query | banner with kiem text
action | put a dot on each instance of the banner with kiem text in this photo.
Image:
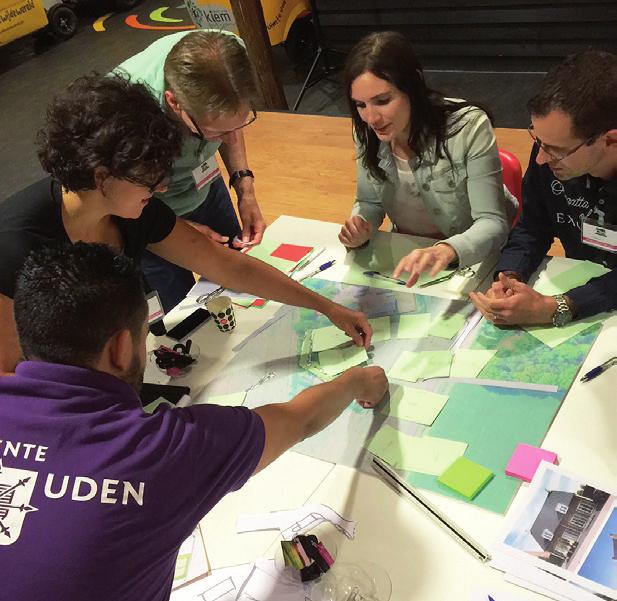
(19, 18)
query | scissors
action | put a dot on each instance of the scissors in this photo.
(466, 272)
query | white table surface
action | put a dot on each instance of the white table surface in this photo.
(423, 561)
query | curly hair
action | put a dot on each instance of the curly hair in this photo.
(107, 121)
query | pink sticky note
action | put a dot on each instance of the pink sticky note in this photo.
(291, 252)
(525, 461)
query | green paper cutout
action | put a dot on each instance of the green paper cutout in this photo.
(447, 325)
(413, 325)
(505, 421)
(468, 363)
(263, 252)
(335, 361)
(415, 404)
(328, 338)
(421, 365)
(411, 453)
(571, 278)
(381, 328)
(553, 336)
(466, 477)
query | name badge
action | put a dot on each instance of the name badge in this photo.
(206, 172)
(602, 236)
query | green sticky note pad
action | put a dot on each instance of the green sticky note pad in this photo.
(413, 326)
(381, 328)
(421, 365)
(447, 325)
(327, 338)
(335, 361)
(466, 477)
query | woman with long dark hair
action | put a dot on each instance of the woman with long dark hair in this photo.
(428, 162)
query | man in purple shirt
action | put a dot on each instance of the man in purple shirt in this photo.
(96, 496)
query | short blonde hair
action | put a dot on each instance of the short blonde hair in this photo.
(209, 72)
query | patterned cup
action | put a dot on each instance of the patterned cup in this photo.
(223, 313)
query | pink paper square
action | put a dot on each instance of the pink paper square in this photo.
(525, 461)
(291, 252)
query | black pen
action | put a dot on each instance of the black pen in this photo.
(596, 371)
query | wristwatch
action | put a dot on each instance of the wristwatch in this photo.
(236, 175)
(563, 313)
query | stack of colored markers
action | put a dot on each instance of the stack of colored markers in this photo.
(307, 554)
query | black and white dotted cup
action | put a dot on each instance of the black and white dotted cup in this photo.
(223, 313)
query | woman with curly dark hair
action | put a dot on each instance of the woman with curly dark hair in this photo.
(108, 146)
(428, 162)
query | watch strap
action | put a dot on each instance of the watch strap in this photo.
(563, 313)
(238, 175)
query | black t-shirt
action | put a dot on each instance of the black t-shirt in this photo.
(32, 218)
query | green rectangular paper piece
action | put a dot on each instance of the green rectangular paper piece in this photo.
(381, 328)
(415, 404)
(493, 421)
(571, 278)
(335, 361)
(263, 252)
(552, 336)
(426, 455)
(466, 477)
(235, 399)
(243, 302)
(468, 363)
(327, 338)
(421, 365)
(447, 325)
(413, 325)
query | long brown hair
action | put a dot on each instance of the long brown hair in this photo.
(389, 56)
(209, 72)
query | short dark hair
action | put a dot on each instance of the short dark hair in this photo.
(107, 121)
(389, 55)
(584, 87)
(71, 298)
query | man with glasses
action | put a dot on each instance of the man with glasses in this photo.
(205, 80)
(569, 193)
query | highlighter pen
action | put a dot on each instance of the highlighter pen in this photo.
(380, 276)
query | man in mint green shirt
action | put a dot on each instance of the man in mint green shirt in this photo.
(204, 80)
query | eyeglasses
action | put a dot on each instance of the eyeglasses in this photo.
(218, 134)
(555, 158)
(152, 188)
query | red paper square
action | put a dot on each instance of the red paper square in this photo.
(259, 302)
(291, 252)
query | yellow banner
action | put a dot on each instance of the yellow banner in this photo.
(19, 18)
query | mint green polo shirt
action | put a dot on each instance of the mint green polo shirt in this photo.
(182, 195)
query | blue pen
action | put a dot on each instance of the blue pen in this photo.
(596, 371)
(321, 268)
(490, 598)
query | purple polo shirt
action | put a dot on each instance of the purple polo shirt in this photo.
(95, 495)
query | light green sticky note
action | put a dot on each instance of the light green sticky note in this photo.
(468, 363)
(235, 399)
(466, 477)
(335, 361)
(327, 338)
(243, 302)
(447, 325)
(413, 326)
(150, 408)
(415, 404)
(426, 455)
(552, 336)
(571, 278)
(263, 251)
(421, 365)
(381, 328)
